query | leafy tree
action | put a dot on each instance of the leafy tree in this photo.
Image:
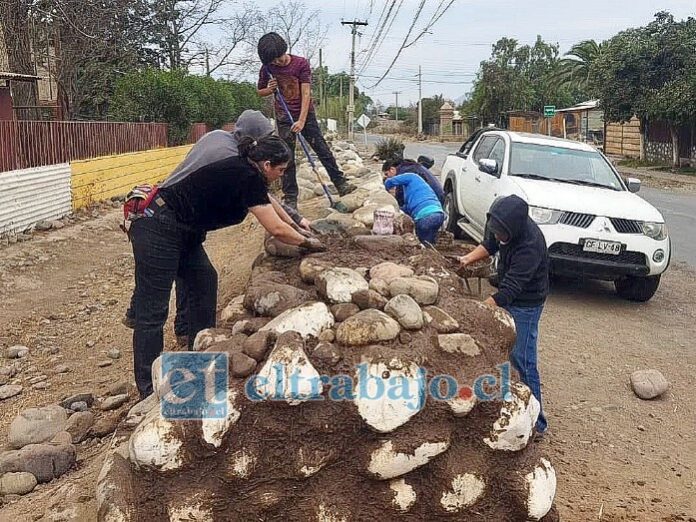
(336, 95)
(575, 70)
(518, 78)
(649, 72)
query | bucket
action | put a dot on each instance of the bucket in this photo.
(383, 223)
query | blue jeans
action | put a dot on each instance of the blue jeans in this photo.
(428, 227)
(524, 354)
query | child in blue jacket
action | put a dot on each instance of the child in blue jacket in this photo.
(420, 203)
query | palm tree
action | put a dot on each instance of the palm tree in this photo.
(574, 71)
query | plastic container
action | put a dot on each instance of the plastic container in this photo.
(383, 223)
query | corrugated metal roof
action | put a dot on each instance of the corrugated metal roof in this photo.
(28, 196)
(19, 77)
(584, 106)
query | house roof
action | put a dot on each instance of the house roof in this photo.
(584, 106)
(18, 77)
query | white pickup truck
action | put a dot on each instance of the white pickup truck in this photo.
(595, 225)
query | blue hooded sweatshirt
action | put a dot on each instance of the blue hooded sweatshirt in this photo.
(419, 199)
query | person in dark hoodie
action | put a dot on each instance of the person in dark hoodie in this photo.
(523, 272)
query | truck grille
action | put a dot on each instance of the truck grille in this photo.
(575, 219)
(570, 249)
(627, 226)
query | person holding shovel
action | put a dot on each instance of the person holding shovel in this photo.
(523, 271)
(292, 76)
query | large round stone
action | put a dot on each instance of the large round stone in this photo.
(405, 310)
(339, 284)
(389, 271)
(423, 289)
(648, 384)
(367, 327)
(36, 425)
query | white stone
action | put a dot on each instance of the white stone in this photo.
(648, 384)
(155, 443)
(326, 514)
(518, 416)
(138, 412)
(214, 430)
(190, 512)
(234, 310)
(404, 495)
(385, 463)
(339, 284)
(19, 483)
(307, 320)
(404, 309)
(366, 214)
(541, 484)
(389, 271)
(210, 336)
(243, 463)
(156, 375)
(462, 407)
(288, 375)
(312, 462)
(504, 317)
(466, 490)
(459, 343)
(389, 394)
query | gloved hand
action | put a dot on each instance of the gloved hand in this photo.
(312, 244)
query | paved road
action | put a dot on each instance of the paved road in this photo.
(679, 209)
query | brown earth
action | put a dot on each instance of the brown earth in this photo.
(617, 457)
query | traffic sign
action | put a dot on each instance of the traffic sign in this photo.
(364, 121)
(549, 111)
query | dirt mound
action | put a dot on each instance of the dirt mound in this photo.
(343, 451)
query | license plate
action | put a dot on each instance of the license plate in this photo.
(602, 247)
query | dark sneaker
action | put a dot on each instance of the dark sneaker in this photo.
(128, 321)
(345, 188)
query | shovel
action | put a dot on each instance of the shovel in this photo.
(336, 205)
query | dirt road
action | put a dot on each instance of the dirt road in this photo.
(618, 458)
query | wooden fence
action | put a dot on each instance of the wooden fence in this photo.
(25, 144)
(623, 139)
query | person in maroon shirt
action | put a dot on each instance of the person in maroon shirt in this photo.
(292, 76)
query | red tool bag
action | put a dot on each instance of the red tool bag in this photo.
(136, 205)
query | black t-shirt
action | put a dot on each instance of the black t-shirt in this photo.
(217, 195)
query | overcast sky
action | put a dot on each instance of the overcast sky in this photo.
(462, 38)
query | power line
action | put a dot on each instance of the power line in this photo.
(378, 33)
(433, 20)
(398, 53)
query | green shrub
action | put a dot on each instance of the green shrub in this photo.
(180, 99)
(388, 148)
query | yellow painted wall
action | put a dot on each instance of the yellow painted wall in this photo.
(102, 178)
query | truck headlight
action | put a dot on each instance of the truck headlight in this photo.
(544, 216)
(656, 231)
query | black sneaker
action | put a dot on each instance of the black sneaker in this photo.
(128, 321)
(345, 188)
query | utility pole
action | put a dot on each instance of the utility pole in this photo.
(207, 62)
(351, 89)
(420, 101)
(396, 93)
(321, 85)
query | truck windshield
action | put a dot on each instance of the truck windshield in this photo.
(563, 165)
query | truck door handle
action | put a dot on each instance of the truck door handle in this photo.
(477, 178)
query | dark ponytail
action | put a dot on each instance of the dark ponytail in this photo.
(268, 148)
